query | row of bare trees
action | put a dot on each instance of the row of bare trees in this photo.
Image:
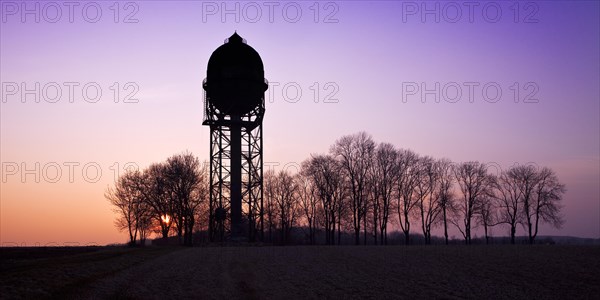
(165, 197)
(365, 187)
(359, 187)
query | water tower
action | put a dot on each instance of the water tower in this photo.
(234, 106)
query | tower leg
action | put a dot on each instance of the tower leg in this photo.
(236, 179)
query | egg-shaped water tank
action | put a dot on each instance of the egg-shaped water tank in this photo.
(235, 82)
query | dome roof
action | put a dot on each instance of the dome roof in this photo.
(235, 54)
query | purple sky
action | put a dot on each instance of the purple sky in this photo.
(366, 60)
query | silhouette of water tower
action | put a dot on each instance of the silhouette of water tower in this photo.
(234, 107)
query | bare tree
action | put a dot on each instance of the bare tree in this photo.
(473, 181)
(444, 193)
(185, 178)
(427, 202)
(286, 203)
(384, 177)
(325, 173)
(509, 196)
(270, 209)
(544, 204)
(355, 155)
(309, 202)
(527, 179)
(203, 214)
(158, 196)
(374, 198)
(405, 186)
(197, 207)
(486, 214)
(342, 207)
(133, 213)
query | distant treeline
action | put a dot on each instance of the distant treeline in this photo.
(353, 193)
(299, 236)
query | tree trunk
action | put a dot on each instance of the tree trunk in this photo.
(365, 229)
(339, 223)
(281, 225)
(375, 227)
(468, 231)
(270, 231)
(310, 233)
(513, 230)
(445, 227)
(485, 229)
(423, 221)
(407, 226)
(165, 231)
(189, 236)
(386, 237)
(529, 229)
(537, 220)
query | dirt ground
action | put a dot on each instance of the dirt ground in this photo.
(373, 272)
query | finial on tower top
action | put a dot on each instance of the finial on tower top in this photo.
(235, 38)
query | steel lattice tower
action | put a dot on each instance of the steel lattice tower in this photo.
(234, 107)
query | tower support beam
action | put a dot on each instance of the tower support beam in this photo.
(236, 178)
